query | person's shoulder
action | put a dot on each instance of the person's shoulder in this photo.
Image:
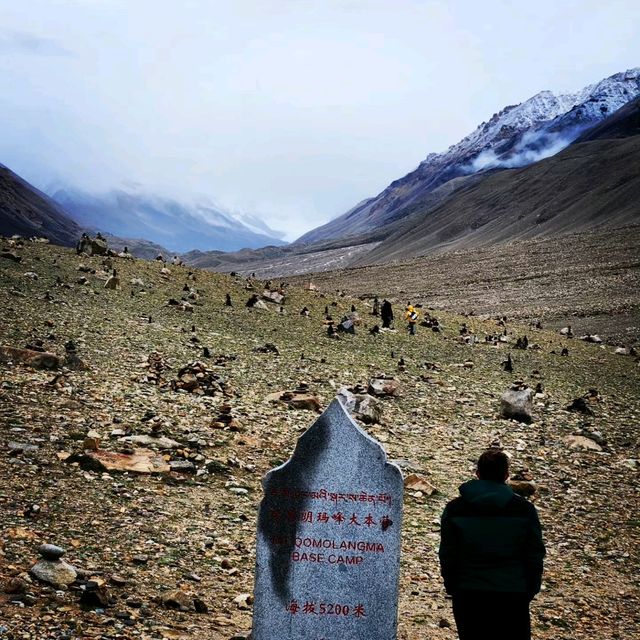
(522, 506)
(453, 506)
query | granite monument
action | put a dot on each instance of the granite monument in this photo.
(328, 541)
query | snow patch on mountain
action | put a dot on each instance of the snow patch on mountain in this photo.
(546, 124)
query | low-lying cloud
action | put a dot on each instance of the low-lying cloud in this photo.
(532, 147)
(12, 42)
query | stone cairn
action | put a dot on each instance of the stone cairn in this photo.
(52, 569)
(226, 419)
(196, 378)
(155, 366)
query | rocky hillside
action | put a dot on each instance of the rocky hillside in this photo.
(589, 185)
(588, 280)
(142, 454)
(28, 212)
(517, 136)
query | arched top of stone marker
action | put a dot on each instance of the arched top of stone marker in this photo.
(335, 429)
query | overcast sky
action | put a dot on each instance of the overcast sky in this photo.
(291, 110)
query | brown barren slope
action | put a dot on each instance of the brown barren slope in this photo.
(146, 536)
(589, 185)
(590, 280)
(28, 212)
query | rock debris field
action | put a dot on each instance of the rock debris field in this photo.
(135, 431)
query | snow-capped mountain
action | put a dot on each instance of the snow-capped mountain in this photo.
(180, 226)
(516, 136)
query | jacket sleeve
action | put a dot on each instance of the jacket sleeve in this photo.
(534, 554)
(448, 550)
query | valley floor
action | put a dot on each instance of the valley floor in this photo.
(147, 535)
(590, 280)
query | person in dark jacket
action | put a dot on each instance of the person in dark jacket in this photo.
(491, 555)
(386, 313)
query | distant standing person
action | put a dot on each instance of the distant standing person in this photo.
(411, 317)
(376, 307)
(386, 313)
(491, 554)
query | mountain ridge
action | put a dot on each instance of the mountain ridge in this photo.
(517, 135)
(592, 183)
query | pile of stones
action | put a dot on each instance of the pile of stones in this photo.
(226, 419)
(155, 366)
(196, 378)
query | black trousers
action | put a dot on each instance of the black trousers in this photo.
(492, 615)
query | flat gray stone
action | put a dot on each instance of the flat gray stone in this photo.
(54, 572)
(51, 551)
(161, 442)
(182, 466)
(328, 542)
(582, 442)
(22, 447)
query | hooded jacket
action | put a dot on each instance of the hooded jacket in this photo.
(491, 540)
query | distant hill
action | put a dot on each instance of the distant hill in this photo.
(27, 212)
(177, 225)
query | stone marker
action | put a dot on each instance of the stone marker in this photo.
(51, 568)
(328, 545)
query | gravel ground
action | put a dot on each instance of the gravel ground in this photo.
(145, 536)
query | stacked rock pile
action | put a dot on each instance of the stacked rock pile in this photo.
(196, 378)
(226, 419)
(155, 366)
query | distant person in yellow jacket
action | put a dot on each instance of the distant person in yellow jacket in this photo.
(411, 316)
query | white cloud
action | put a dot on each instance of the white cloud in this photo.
(290, 111)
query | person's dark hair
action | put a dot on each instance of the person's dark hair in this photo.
(493, 465)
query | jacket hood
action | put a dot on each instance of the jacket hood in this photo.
(485, 493)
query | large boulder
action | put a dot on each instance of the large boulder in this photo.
(516, 404)
(362, 406)
(383, 386)
(581, 442)
(92, 246)
(273, 296)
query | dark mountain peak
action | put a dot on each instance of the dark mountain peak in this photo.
(26, 211)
